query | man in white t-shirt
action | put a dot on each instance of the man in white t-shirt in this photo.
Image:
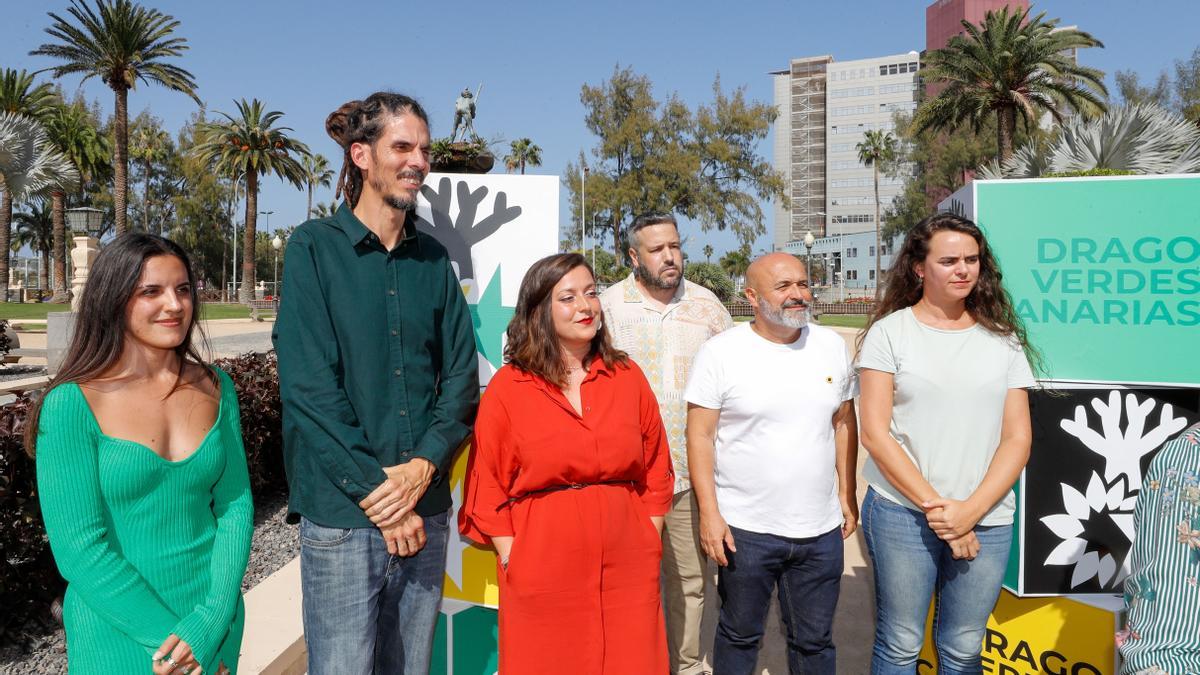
(772, 451)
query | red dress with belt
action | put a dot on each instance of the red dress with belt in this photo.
(580, 594)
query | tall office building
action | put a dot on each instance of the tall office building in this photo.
(824, 109)
(943, 18)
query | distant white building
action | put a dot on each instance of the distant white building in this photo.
(849, 259)
(824, 108)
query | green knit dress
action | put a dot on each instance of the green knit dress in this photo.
(148, 547)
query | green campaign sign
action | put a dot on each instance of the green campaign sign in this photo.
(1105, 272)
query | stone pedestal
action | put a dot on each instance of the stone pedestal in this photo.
(82, 257)
(59, 328)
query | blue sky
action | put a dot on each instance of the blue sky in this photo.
(306, 57)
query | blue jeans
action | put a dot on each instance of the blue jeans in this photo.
(367, 611)
(809, 574)
(911, 564)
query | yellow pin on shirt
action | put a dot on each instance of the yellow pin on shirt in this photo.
(829, 379)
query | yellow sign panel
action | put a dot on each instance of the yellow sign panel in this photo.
(1042, 636)
(470, 569)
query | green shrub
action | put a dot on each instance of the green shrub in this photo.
(1089, 172)
(712, 277)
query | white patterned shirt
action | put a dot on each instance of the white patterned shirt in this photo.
(664, 342)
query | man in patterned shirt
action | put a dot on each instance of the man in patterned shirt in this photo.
(661, 320)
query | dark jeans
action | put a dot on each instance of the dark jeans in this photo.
(808, 573)
(367, 611)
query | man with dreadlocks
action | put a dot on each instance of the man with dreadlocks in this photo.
(379, 382)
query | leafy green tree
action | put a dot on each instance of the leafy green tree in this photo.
(69, 128)
(202, 209)
(711, 277)
(1132, 92)
(149, 145)
(653, 155)
(708, 251)
(35, 229)
(122, 43)
(1187, 86)
(316, 174)
(1010, 65)
(521, 152)
(248, 146)
(877, 147)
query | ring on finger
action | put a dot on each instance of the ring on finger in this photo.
(186, 669)
(170, 662)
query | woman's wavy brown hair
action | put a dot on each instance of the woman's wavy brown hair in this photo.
(532, 342)
(361, 122)
(989, 303)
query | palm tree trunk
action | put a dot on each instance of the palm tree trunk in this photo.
(616, 229)
(1006, 125)
(522, 166)
(246, 293)
(45, 273)
(308, 212)
(6, 207)
(59, 230)
(121, 158)
(878, 285)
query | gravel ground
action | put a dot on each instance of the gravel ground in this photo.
(275, 543)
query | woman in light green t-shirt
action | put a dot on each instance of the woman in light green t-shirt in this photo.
(142, 475)
(945, 417)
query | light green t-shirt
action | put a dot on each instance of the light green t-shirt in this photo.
(948, 402)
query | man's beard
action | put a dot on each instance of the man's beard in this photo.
(655, 280)
(396, 201)
(780, 314)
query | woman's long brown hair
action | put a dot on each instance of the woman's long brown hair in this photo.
(989, 302)
(98, 340)
(532, 341)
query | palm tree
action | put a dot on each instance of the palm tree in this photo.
(1010, 65)
(316, 174)
(20, 96)
(69, 129)
(35, 229)
(324, 210)
(250, 145)
(1138, 139)
(877, 147)
(148, 144)
(29, 164)
(122, 43)
(736, 262)
(708, 251)
(521, 152)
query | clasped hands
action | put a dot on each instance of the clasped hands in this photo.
(174, 656)
(954, 521)
(390, 506)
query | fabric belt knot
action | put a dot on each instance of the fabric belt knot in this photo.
(567, 486)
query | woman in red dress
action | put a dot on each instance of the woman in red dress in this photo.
(569, 478)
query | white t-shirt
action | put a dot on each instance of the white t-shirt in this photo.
(948, 402)
(775, 465)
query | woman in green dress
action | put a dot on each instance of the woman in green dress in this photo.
(142, 475)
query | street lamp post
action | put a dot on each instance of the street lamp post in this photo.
(277, 244)
(809, 240)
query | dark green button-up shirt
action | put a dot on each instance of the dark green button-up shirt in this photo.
(377, 365)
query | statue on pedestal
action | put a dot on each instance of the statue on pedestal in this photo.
(464, 117)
